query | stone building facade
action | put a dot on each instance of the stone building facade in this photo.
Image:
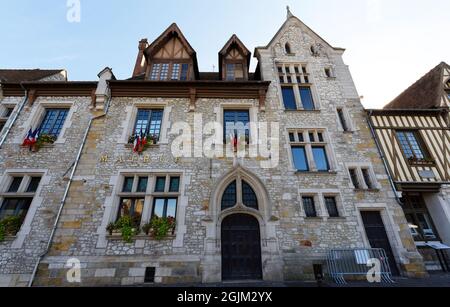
(292, 204)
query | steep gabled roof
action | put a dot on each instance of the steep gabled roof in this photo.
(234, 42)
(22, 75)
(291, 18)
(172, 31)
(426, 93)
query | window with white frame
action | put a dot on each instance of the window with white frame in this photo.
(148, 123)
(5, 113)
(310, 150)
(53, 121)
(143, 196)
(16, 199)
(362, 177)
(296, 87)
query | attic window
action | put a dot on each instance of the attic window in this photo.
(234, 72)
(329, 73)
(448, 83)
(287, 47)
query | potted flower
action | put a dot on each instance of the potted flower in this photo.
(10, 226)
(161, 227)
(43, 139)
(127, 227)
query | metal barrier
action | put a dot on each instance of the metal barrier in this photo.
(354, 262)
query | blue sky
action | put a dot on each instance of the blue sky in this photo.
(390, 43)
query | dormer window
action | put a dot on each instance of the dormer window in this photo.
(234, 60)
(234, 72)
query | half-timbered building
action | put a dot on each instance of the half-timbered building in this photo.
(413, 134)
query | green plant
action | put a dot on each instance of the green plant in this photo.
(161, 227)
(10, 226)
(45, 139)
(127, 226)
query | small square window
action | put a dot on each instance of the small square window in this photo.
(320, 135)
(291, 137)
(174, 184)
(301, 139)
(142, 185)
(289, 79)
(150, 273)
(128, 185)
(34, 184)
(312, 139)
(15, 184)
(160, 184)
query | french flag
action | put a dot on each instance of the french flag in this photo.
(137, 143)
(31, 138)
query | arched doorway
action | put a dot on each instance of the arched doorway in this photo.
(241, 248)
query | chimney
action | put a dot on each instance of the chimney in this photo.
(139, 68)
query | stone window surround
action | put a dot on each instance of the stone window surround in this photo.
(319, 201)
(3, 107)
(253, 112)
(6, 180)
(316, 98)
(37, 116)
(358, 166)
(111, 204)
(130, 120)
(308, 147)
(348, 119)
(392, 229)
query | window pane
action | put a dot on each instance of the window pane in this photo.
(289, 98)
(164, 71)
(160, 184)
(171, 208)
(128, 184)
(342, 119)
(15, 207)
(8, 112)
(320, 136)
(184, 72)
(291, 137)
(367, 179)
(158, 209)
(155, 72)
(229, 196)
(174, 184)
(236, 123)
(307, 99)
(15, 184)
(320, 157)
(309, 207)
(425, 226)
(331, 205)
(414, 143)
(34, 184)
(125, 207)
(175, 71)
(301, 138)
(155, 123)
(53, 121)
(300, 159)
(354, 178)
(248, 196)
(137, 211)
(230, 72)
(142, 184)
(142, 121)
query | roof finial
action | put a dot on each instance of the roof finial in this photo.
(289, 13)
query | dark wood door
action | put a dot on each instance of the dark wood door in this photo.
(241, 248)
(376, 233)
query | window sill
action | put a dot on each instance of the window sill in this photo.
(313, 219)
(337, 219)
(9, 239)
(367, 190)
(422, 164)
(118, 237)
(315, 173)
(301, 111)
(131, 146)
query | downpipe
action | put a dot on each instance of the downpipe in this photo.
(383, 158)
(66, 193)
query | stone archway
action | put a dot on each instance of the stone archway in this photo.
(272, 264)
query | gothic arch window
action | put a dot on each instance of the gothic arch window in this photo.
(287, 47)
(247, 195)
